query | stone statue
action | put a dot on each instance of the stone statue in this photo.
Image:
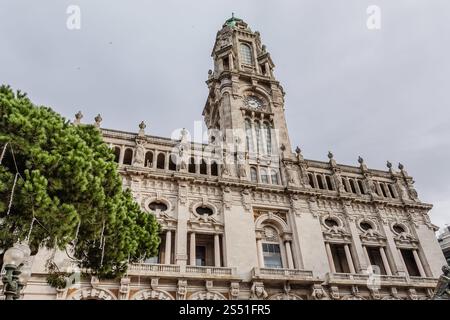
(338, 181)
(225, 166)
(140, 154)
(442, 291)
(183, 158)
(290, 174)
(242, 173)
(401, 190)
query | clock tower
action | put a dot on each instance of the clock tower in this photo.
(245, 104)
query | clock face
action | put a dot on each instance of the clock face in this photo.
(253, 102)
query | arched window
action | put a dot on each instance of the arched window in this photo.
(268, 133)
(128, 158)
(116, 154)
(329, 184)
(311, 180)
(203, 167)
(214, 169)
(271, 248)
(274, 176)
(320, 181)
(149, 159)
(173, 162)
(161, 161)
(191, 167)
(383, 190)
(246, 54)
(352, 185)
(361, 187)
(249, 136)
(391, 190)
(253, 174)
(264, 176)
(258, 137)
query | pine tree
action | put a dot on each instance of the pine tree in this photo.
(68, 180)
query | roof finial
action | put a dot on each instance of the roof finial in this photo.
(232, 14)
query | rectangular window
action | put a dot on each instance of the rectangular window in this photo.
(410, 263)
(272, 255)
(339, 258)
(200, 255)
(375, 258)
(226, 64)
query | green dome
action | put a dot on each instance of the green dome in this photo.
(232, 21)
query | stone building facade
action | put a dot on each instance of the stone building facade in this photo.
(244, 217)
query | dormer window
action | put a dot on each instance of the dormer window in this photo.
(246, 54)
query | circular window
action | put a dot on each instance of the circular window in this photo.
(157, 206)
(330, 222)
(204, 210)
(366, 226)
(398, 228)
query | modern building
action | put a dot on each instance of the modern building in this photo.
(245, 217)
(444, 241)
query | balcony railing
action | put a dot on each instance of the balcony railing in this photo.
(209, 270)
(349, 278)
(143, 269)
(283, 274)
(423, 281)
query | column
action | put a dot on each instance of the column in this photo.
(359, 261)
(217, 250)
(330, 257)
(419, 264)
(154, 159)
(366, 254)
(260, 253)
(403, 261)
(230, 60)
(387, 267)
(192, 250)
(168, 247)
(349, 259)
(122, 154)
(166, 161)
(289, 255)
(398, 266)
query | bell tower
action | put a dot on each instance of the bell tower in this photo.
(245, 101)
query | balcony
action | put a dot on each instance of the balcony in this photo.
(177, 271)
(291, 275)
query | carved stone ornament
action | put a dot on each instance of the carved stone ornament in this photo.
(234, 290)
(246, 199)
(181, 290)
(258, 292)
(124, 289)
(318, 293)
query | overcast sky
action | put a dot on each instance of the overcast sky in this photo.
(382, 94)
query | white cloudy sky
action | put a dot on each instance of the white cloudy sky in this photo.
(381, 94)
